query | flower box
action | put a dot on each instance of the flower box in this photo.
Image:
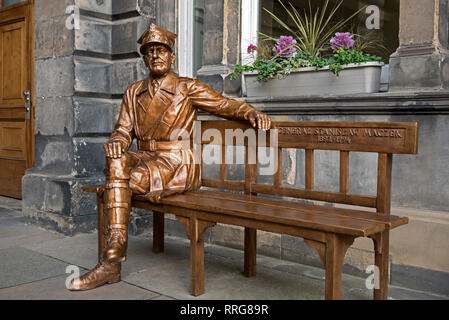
(354, 78)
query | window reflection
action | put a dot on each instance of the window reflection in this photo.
(384, 41)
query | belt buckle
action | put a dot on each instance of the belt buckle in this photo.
(152, 145)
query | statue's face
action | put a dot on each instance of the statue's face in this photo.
(159, 59)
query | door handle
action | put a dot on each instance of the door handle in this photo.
(27, 94)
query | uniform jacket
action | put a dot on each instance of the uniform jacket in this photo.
(173, 106)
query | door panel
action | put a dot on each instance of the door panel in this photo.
(12, 38)
(12, 137)
(16, 125)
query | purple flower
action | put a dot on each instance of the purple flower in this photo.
(342, 40)
(285, 46)
(251, 48)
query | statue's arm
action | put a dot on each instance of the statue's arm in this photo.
(123, 133)
(205, 98)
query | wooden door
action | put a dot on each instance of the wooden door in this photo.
(16, 77)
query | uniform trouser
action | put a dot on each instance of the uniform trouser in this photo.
(117, 200)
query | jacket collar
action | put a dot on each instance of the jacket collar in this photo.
(168, 84)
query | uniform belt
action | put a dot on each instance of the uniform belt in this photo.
(153, 145)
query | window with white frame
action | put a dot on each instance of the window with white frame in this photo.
(379, 21)
(190, 36)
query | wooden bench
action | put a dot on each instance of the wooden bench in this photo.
(328, 229)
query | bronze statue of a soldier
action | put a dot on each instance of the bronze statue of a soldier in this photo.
(151, 111)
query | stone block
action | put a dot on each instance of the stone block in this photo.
(124, 37)
(296, 250)
(122, 74)
(101, 6)
(44, 9)
(214, 15)
(269, 244)
(227, 235)
(54, 77)
(212, 46)
(43, 43)
(58, 197)
(89, 156)
(175, 228)
(141, 69)
(124, 6)
(93, 116)
(232, 87)
(363, 173)
(68, 226)
(63, 37)
(93, 36)
(53, 116)
(53, 154)
(327, 170)
(92, 75)
(141, 222)
(416, 72)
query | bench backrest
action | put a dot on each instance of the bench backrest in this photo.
(384, 138)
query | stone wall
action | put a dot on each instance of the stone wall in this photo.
(80, 77)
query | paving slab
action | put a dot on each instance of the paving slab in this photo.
(20, 265)
(55, 289)
(80, 250)
(11, 203)
(13, 233)
(397, 293)
(9, 213)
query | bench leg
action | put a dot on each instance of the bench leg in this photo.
(381, 258)
(336, 247)
(158, 232)
(197, 229)
(195, 232)
(250, 252)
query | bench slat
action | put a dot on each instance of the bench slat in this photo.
(344, 171)
(335, 224)
(326, 196)
(390, 221)
(387, 137)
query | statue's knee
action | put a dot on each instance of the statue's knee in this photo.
(117, 168)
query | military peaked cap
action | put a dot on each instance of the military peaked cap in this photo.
(155, 34)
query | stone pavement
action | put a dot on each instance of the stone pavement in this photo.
(33, 264)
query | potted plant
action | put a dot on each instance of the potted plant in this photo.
(297, 65)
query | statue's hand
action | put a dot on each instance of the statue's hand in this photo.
(259, 120)
(113, 149)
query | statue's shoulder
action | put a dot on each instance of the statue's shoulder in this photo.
(186, 80)
(133, 87)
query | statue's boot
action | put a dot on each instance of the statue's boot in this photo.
(117, 204)
(102, 273)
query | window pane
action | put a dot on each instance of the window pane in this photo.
(384, 40)
(198, 30)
